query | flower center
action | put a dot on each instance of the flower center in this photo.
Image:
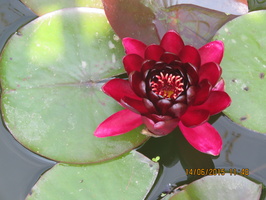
(167, 85)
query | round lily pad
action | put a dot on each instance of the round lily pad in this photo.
(130, 177)
(244, 69)
(219, 188)
(41, 7)
(52, 71)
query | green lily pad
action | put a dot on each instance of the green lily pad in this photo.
(52, 71)
(244, 69)
(233, 187)
(41, 7)
(130, 177)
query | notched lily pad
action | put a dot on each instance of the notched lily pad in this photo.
(244, 69)
(52, 71)
(129, 177)
(232, 187)
(41, 7)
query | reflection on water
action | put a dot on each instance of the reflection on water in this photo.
(19, 168)
(242, 149)
(13, 14)
(228, 147)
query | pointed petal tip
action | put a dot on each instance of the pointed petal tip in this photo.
(205, 138)
(215, 152)
(220, 86)
(119, 123)
(110, 88)
(219, 42)
(133, 46)
(172, 42)
(212, 52)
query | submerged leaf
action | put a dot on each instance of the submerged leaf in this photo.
(148, 21)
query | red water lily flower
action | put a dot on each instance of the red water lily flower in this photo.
(170, 85)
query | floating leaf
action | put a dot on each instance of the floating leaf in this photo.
(244, 69)
(130, 177)
(41, 7)
(219, 188)
(150, 20)
(52, 71)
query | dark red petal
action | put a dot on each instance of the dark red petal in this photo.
(154, 52)
(205, 138)
(194, 117)
(134, 105)
(191, 94)
(119, 88)
(172, 42)
(133, 46)
(158, 118)
(160, 128)
(147, 65)
(118, 123)
(132, 62)
(220, 86)
(210, 71)
(153, 97)
(212, 52)
(190, 54)
(149, 105)
(169, 57)
(178, 109)
(203, 92)
(192, 74)
(137, 84)
(181, 99)
(216, 102)
(160, 65)
(163, 105)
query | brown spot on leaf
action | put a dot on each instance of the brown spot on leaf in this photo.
(262, 75)
(19, 33)
(243, 118)
(246, 88)
(25, 79)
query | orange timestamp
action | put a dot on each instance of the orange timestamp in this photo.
(216, 172)
(204, 172)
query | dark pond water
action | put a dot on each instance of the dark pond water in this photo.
(20, 168)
